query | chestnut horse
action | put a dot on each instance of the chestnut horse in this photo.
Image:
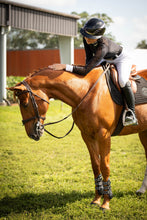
(96, 116)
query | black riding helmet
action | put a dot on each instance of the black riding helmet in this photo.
(94, 28)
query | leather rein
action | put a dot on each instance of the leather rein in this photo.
(35, 106)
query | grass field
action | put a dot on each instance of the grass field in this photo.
(53, 179)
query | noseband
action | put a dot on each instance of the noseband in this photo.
(35, 106)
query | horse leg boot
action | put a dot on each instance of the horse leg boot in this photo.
(105, 169)
(129, 117)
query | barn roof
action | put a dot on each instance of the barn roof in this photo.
(33, 18)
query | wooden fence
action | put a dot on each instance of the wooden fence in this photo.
(23, 62)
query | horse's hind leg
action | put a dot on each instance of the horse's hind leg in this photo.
(143, 139)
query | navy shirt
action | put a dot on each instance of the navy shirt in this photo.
(103, 48)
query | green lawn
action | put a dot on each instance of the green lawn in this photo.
(53, 179)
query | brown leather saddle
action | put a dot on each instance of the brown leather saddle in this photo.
(133, 77)
(139, 87)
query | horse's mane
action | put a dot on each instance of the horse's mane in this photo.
(35, 72)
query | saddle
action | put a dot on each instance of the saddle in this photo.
(133, 77)
(139, 87)
(138, 84)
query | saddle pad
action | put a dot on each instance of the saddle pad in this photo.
(140, 97)
(141, 94)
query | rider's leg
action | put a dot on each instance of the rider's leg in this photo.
(123, 64)
(130, 118)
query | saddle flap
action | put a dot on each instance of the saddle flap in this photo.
(133, 77)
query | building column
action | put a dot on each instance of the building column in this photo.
(3, 55)
(66, 46)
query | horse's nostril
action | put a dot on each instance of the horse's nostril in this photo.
(34, 137)
(39, 129)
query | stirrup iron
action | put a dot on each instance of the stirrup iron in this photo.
(129, 120)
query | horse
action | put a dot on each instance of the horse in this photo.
(96, 116)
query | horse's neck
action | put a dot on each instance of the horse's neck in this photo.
(69, 90)
(64, 86)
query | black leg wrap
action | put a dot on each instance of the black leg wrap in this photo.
(107, 189)
(99, 184)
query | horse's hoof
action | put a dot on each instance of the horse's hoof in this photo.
(103, 210)
(96, 204)
(138, 193)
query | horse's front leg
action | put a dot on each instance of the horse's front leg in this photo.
(104, 145)
(93, 148)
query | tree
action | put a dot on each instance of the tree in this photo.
(142, 45)
(24, 39)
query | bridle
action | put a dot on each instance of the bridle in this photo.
(37, 116)
(39, 125)
(35, 106)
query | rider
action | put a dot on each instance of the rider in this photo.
(99, 48)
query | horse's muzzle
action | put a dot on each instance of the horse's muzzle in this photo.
(37, 131)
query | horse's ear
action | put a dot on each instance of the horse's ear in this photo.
(17, 87)
(17, 90)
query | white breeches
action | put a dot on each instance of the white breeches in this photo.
(123, 64)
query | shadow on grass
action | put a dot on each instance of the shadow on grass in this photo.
(32, 202)
(120, 194)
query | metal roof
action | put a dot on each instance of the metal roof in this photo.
(33, 18)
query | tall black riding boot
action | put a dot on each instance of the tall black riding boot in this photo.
(130, 118)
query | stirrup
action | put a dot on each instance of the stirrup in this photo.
(129, 120)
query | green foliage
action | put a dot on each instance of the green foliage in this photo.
(53, 179)
(142, 45)
(24, 39)
(12, 81)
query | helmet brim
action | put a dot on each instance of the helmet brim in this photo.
(82, 31)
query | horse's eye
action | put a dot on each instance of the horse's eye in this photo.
(23, 103)
(23, 98)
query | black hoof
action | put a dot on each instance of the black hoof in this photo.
(103, 210)
(138, 193)
(95, 204)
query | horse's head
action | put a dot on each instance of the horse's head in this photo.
(33, 106)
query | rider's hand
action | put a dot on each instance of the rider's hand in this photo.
(57, 66)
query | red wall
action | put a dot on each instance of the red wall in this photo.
(21, 63)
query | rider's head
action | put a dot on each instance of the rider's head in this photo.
(93, 28)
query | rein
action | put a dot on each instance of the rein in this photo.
(35, 106)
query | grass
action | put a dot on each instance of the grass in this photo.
(53, 179)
